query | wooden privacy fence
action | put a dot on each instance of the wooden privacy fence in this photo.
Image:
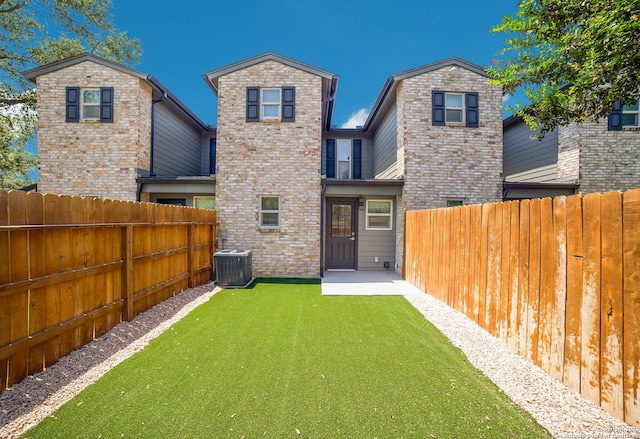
(557, 280)
(72, 268)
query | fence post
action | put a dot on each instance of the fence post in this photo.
(127, 273)
(192, 280)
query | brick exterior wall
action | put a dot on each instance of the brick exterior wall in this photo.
(93, 158)
(603, 160)
(271, 158)
(568, 152)
(442, 162)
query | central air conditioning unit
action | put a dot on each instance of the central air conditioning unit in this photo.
(232, 268)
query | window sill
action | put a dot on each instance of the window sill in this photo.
(631, 128)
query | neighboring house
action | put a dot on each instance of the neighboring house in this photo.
(580, 157)
(110, 131)
(303, 195)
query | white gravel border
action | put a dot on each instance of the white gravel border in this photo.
(27, 403)
(556, 407)
(559, 409)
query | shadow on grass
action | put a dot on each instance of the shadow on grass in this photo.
(282, 280)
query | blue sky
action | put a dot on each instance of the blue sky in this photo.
(363, 42)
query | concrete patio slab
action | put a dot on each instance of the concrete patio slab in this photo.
(366, 283)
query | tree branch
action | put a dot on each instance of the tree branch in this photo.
(15, 7)
(14, 101)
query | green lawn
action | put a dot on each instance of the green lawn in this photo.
(280, 360)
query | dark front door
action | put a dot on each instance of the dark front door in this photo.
(341, 234)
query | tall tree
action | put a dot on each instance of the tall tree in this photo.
(36, 32)
(573, 58)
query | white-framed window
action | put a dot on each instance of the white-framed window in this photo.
(205, 201)
(344, 158)
(270, 102)
(454, 107)
(90, 104)
(379, 215)
(631, 115)
(269, 212)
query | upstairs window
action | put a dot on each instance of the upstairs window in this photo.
(344, 158)
(271, 103)
(89, 104)
(631, 115)
(455, 108)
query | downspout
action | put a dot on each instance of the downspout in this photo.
(322, 221)
(153, 123)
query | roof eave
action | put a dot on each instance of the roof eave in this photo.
(268, 56)
(32, 74)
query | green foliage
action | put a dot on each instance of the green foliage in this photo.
(17, 123)
(573, 58)
(37, 32)
(281, 360)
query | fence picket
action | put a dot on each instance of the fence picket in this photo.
(559, 293)
(631, 304)
(611, 360)
(514, 274)
(547, 283)
(590, 366)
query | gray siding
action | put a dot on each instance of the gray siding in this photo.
(526, 159)
(367, 151)
(372, 243)
(177, 144)
(385, 146)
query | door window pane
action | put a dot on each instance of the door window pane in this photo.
(341, 220)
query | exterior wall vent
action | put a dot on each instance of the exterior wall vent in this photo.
(233, 268)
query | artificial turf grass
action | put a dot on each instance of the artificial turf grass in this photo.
(280, 360)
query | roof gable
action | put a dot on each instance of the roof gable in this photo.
(212, 77)
(449, 62)
(32, 74)
(387, 94)
(159, 89)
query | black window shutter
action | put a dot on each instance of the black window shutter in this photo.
(357, 159)
(212, 156)
(331, 158)
(471, 108)
(106, 104)
(288, 104)
(253, 104)
(615, 117)
(437, 106)
(73, 104)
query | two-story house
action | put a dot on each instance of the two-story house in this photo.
(308, 197)
(580, 157)
(304, 196)
(110, 131)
